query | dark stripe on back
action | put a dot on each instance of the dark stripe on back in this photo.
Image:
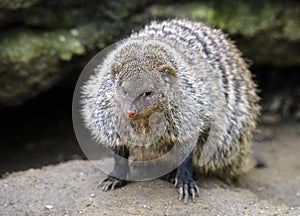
(217, 54)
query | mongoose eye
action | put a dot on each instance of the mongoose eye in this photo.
(148, 93)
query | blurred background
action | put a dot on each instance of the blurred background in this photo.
(44, 46)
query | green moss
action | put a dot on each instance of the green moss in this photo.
(247, 18)
(252, 17)
(203, 13)
(17, 4)
(24, 45)
(271, 27)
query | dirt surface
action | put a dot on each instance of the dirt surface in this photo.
(71, 188)
(279, 181)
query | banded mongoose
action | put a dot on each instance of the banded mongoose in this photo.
(196, 79)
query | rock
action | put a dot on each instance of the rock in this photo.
(17, 4)
(267, 32)
(72, 189)
(41, 41)
(44, 47)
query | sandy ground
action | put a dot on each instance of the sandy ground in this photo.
(71, 188)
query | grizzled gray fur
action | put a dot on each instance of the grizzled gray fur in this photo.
(196, 79)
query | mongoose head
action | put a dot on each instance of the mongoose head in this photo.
(142, 81)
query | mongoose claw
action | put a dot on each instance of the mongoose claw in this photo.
(110, 183)
(184, 189)
(195, 192)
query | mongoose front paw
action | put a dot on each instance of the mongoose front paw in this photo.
(111, 182)
(185, 186)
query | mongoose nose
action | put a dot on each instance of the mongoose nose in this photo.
(131, 113)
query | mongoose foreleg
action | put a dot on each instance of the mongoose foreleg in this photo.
(184, 180)
(121, 169)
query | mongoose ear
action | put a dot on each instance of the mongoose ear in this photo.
(115, 68)
(167, 69)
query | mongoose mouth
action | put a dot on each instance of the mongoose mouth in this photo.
(134, 114)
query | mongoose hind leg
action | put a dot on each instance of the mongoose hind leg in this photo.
(121, 170)
(184, 181)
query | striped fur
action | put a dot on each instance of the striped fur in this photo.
(213, 96)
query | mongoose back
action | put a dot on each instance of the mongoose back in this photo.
(196, 79)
